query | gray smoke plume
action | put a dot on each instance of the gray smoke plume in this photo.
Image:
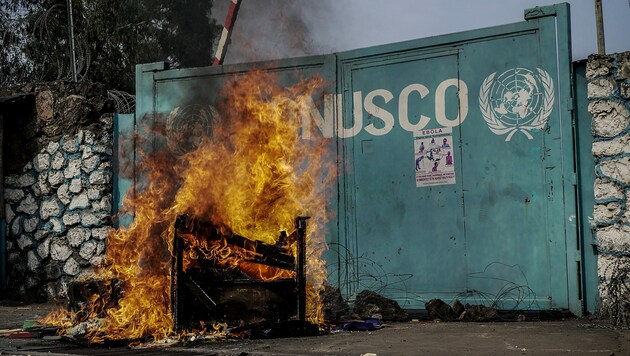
(273, 29)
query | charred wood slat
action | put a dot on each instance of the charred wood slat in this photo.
(81, 292)
(208, 292)
(177, 283)
(300, 227)
(272, 255)
(199, 293)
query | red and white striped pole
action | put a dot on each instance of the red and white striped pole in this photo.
(227, 32)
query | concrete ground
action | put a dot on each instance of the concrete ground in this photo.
(573, 336)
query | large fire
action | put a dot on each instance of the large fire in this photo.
(253, 175)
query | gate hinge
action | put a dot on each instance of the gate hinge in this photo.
(570, 104)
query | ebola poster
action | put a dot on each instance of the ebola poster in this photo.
(434, 157)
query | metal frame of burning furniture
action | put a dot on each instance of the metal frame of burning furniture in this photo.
(210, 292)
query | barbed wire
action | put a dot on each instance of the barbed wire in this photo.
(41, 31)
(615, 291)
(125, 103)
(37, 28)
(509, 295)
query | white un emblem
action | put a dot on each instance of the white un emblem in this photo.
(186, 126)
(516, 100)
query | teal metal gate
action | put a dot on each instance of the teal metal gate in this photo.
(456, 161)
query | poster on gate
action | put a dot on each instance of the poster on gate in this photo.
(434, 157)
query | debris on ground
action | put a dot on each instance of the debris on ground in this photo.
(335, 307)
(30, 323)
(440, 310)
(458, 308)
(478, 313)
(83, 328)
(368, 324)
(31, 330)
(5, 332)
(23, 335)
(370, 304)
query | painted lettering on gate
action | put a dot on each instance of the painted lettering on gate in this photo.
(333, 103)
(430, 132)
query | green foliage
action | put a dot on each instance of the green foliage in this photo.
(111, 37)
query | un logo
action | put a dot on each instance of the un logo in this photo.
(185, 127)
(516, 100)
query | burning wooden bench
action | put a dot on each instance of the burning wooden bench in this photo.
(217, 276)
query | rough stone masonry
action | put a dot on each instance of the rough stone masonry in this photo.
(608, 79)
(58, 202)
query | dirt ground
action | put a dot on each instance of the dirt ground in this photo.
(572, 336)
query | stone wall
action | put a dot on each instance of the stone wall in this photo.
(57, 187)
(608, 80)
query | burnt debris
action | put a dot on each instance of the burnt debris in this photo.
(369, 304)
(208, 291)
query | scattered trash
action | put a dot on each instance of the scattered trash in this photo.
(478, 313)
(369, 304)
(83, 328)
(335, 308)
(368, 324)
(30, 323)
(31, 329)
(5, 332)
(23, 308)
(43, 329)
(439, 310)
(23, 335)
(458, 307)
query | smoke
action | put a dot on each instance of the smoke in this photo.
(274, 29)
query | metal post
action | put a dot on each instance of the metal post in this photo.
(73, 62)
(599, 22)
(177, 271)
(227, 32)
(300, 225)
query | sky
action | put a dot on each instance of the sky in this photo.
(280, 28)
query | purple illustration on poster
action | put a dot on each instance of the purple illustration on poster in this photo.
(433, 153)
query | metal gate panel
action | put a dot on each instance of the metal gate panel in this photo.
(395, 222)
(123, 164)
(512, 182)
(160, 91)
(586, 179)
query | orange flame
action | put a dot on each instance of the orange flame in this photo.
(254, 175)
